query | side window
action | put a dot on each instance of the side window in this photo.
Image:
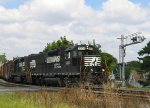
(67, 55)
(79, 53)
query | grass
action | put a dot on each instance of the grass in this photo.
(14, 101)
(69, 98)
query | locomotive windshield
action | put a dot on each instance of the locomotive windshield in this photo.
(82, 53)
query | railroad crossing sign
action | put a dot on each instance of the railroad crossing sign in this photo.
(130, 40)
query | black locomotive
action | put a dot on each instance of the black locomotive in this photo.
(60, 66)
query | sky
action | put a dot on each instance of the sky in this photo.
(26, 26)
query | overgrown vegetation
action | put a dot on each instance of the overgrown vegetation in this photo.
(69, 98)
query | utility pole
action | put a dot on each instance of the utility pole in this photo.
(130, 40)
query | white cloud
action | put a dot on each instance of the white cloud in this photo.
(27, 29)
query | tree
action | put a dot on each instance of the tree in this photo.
(3, 58)
(145, 66)
(62, 42)
(110, 61)
(145, 50)
(145, 53)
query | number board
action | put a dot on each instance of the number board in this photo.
(85, 48)
(81, 48)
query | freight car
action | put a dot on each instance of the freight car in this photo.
(6, 70)
(59, 66)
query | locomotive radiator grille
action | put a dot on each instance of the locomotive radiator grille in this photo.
(92, 61)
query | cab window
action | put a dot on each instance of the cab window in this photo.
(74, 53)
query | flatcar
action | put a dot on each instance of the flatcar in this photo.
(59, 66)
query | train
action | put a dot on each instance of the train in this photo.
(61, 66)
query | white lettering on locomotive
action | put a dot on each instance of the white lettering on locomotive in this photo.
(53, 59)
(57, 65)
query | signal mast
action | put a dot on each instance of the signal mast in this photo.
(130, 40)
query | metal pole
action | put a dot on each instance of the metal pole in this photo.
(123, 55)
(120, 62)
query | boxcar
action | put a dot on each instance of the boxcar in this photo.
(6, 70)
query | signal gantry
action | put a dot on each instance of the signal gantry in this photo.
(127, 41)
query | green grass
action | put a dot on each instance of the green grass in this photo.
(14, 100)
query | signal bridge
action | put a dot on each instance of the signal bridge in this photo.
(127, 41)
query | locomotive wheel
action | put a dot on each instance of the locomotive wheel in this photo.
(66, 82)
(61, 82)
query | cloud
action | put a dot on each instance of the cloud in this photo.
(29, 27)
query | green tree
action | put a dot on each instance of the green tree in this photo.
(145, 50)
(145, 57)
(62, 42)
(109, 60)
(3, 58)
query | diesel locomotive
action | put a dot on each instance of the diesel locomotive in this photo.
(59, 66)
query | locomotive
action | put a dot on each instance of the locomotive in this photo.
(60, 66)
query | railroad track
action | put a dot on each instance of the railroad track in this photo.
(8, 84)
(13, 87)
(125, 94)
(143, 95)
